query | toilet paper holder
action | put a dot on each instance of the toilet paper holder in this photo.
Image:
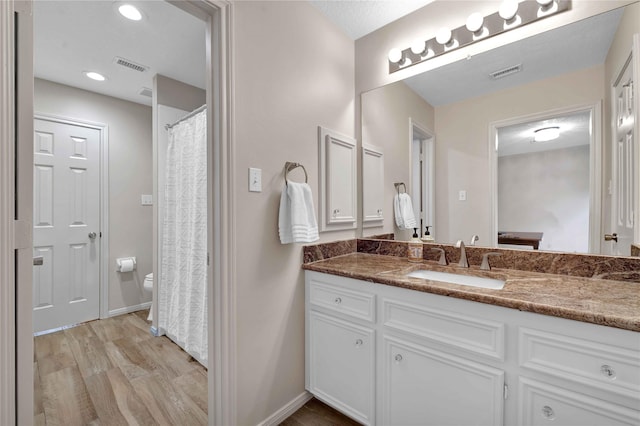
(125, 264)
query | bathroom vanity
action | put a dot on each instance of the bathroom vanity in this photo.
(389, 349)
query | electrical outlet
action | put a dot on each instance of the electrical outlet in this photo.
(255, 180)
(462, 195)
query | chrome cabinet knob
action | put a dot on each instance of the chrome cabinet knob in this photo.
(398, 357)
(359, 343)
(547, 413)
(607, 371)
(92, 236)
(338, 300)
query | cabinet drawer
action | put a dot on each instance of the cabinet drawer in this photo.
(352, 303)
(473, 334)
(615, 369)
(544, 404)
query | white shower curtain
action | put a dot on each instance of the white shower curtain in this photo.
(182, 288)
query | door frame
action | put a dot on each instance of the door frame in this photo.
(16, 117)
(595, 166)
(103, 220)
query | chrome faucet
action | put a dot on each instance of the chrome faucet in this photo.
(474, 238)
(464, 263)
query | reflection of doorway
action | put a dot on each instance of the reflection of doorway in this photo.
(549, 186)
(624, 174)
(422, 176)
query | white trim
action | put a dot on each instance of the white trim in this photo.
(636, 144)
(287, 410)
(129, 309)
(595, 166)
(103, 280)
(7, 256)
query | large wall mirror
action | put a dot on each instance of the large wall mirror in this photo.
(492, 178)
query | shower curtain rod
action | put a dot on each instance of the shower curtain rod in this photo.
(191, 114)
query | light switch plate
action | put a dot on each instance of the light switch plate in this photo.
(462, 195)
(146, 200)
(255, 180)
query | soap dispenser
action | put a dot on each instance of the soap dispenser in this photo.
(427, 237)
(414, 253)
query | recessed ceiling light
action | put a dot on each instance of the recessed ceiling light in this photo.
(130, 12)
(95, 76)
(546, 134)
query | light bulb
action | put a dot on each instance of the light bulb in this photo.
(443, 36)
(544, 2)
(419, 46)
(130, 12)
(95, 76)
(395, 55)
(475, 22)
(546, 134)
(508, 9)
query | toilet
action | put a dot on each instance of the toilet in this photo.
(148, 282)
(148, 286)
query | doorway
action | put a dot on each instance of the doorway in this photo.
(423, 177)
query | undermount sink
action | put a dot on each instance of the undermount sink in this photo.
(447, 277)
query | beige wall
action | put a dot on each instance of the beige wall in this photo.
(385, 123)
(293, 71)
(129, 127)
(618, 54)
(372, 68)
(462, 145)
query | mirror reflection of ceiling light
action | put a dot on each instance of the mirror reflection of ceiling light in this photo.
(94, 75)
(546, 134)
(130, 12)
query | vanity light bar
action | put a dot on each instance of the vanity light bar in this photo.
(526, 13)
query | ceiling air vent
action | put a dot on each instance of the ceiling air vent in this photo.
(145, 91)
(506, 71)
(129, 64)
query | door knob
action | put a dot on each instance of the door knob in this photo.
(609, 237)
(92, 236)
(38, 261)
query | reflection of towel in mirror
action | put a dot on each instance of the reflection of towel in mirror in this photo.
(297, 218)
(403, 209)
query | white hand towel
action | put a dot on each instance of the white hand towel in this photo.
(297, 219)
(403, 209)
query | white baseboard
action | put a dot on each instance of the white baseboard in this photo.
(128, 309)
(290, 408)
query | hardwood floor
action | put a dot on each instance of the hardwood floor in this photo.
(316, 413)
(114, 372)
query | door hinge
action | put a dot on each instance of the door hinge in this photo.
(207, 258)
(505, 391)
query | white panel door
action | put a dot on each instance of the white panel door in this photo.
(624, 185)
(66, 224)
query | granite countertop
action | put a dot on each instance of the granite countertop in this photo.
(604, 302)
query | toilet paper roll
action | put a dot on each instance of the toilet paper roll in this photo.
(126, 265)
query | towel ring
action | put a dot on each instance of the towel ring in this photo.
(288, 166)
(398, 184)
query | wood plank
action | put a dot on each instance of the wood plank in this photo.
(108, 329)
(194, 386)
(130, 357)
(115, 400)
(53, 353)
(89, 352)
(316, 413)
(166, 403)
(172, 359)
(38, 408)
(65, 398)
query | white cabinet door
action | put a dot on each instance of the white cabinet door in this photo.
(340, 365)
(372, 185)
(338, 183)
(423, 386)
(544, 404)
